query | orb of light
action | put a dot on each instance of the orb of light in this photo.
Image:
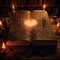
(30, 23)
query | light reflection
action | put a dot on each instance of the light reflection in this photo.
(30, 23)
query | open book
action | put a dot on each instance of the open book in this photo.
(31, 25)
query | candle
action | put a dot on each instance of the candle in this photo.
(44, 6)
(3, 46)
(4, 50)
(58, 25)
(13, 8)
(0, 23)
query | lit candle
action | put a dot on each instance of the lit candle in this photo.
(3, 46)
(13, 8)
(58, 25)
(0, 23)
(44, 6)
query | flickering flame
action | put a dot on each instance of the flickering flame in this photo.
(13, 7)
(0, 23)
(3, 46)
(58, 24)
(30, 23)
(44, 6)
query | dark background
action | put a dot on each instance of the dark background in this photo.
(53, 6)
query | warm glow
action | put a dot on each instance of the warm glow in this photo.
(0, 23)
(13, 7)
(30, 23)
(3, 46)
(58, 24)
(44, 6)
(51, 19)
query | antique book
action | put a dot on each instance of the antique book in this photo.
(31, 25)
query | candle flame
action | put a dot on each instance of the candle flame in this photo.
(58, 24)
(44, 6)
(13, 7)
(0, 23)
(3, 46)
